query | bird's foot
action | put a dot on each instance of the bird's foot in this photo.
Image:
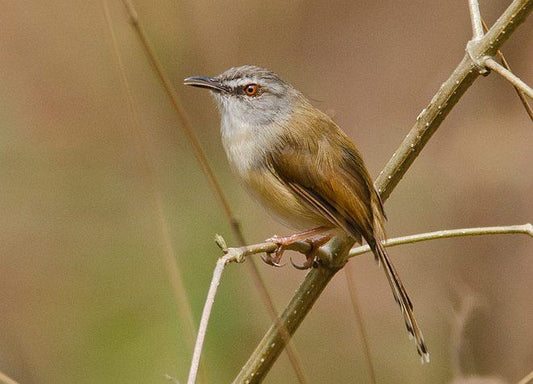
(274, 258)
(311, 258)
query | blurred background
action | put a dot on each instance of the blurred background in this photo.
(86, 195)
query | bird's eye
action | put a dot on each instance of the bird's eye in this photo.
(251, 89)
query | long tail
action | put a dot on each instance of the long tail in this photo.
(401, 297)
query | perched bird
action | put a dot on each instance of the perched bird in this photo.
(302, 167)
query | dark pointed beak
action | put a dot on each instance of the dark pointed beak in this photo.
(210, 83)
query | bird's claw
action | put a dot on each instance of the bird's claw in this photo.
(274, 261)
(282, 242)
(278, 253)
(310, 262)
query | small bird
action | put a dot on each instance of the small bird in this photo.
(303, 168)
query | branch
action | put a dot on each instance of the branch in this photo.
(508, 75)
(505, 63)
(448, 95)
(446, 234)
(427, 123)
(206, 314)
(488, 62)
(238, 255)
(310, 288)
(475, 17)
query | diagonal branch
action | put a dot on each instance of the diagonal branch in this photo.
(488, 62)
(427, 123)
(321, 276)
(448, 95)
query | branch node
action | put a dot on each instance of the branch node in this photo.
(477, 61)
(234, 255)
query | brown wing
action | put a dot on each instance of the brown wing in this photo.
(328, 175)
(326, 172)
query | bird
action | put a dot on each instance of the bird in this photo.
(297, 163)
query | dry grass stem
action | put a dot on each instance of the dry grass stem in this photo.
(527, 379)
(350, 281)
(5, 379)
(145, 152)
(215, 185)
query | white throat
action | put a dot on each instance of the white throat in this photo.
(246, 141)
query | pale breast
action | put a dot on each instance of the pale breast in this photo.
(280, 201)
(247, 148)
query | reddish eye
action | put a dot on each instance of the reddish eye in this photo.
(251, 89)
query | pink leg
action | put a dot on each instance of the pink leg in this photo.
(284, 241)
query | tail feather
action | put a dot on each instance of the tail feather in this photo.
(402, 298)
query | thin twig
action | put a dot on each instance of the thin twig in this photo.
(527, 379)
(146, 155)
(215, 186)
(448, 233)
(509, 76)
(448, 95)
(320, 275)
(475, 17)
(206, 314)
(262, 359)
(505, 63)
(238, 254)
(520, 94)
(5, 379)
(349, 274)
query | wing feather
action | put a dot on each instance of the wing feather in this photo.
(326, 172)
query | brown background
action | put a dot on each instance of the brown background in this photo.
(84, 290)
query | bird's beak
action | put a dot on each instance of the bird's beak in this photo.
(210, 83)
